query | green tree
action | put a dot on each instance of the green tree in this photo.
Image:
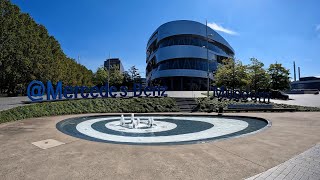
(231, 74)
(116, 77)
(279, 77)
(127, 81)
(28, 52)
(258, 77)
(101, 76)
(114, 74)
(135, 75)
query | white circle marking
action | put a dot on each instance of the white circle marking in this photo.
(158, 127)
(222, 126)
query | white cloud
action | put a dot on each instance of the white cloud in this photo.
(217, 27)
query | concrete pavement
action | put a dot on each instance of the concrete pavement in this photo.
(301, 100)
(303, 166)
(236, 158)
(11, 102)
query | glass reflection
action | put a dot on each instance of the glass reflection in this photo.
(195, 41)
(188, 63)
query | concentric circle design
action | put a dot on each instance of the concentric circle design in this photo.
(166, 129)
(158, 127)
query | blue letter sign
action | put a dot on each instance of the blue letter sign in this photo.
(36, 89)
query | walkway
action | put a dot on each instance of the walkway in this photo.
(303, 166)
(73, 158)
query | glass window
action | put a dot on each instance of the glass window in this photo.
(187, 63)
(195, 41)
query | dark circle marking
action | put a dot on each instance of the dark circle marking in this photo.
(68, 126)
(183, 127)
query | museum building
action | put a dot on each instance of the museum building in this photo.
(182, 54)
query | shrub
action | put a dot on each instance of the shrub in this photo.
(107, 105)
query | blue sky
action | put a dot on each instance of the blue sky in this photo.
(269, 30)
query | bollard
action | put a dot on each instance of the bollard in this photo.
(220, 111)
(211, 107)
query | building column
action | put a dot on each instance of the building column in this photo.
(181, 85)
(171, 83)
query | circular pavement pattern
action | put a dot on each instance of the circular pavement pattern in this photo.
(166, 129)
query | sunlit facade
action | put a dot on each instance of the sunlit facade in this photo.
(176, 55)
(112, 62)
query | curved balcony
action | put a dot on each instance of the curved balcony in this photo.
(178, 54)
(183, 51)
(188, 28)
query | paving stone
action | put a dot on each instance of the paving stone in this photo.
(48, 143)
(303, 166)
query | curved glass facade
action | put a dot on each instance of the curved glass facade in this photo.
(189, 40)
(180, 38)
(194, 41)
(187, 63)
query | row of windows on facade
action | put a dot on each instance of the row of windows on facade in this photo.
(189, 40)
(181, 83)
(152, 64)
(185, 63)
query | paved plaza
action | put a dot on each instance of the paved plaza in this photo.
(289, 149)
(35, 149)
(311, 100)
(11, 102)
(303, 166)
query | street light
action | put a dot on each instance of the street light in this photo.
(208, 72)
(109, 71)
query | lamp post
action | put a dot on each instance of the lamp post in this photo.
(208, 70)
(108, 71)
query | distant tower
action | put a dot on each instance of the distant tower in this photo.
(294, 70)
(299, 73)
(111, 62)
